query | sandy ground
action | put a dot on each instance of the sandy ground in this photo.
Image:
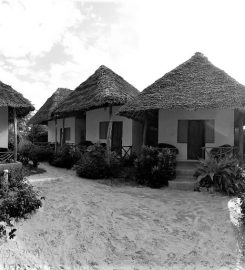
(85, 224)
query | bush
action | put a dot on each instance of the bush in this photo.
(155, 167)
(30, 152)
(16, 202)
(40, 153)
(93, 163)
(223, 174)
(66, 157)
(24, 148)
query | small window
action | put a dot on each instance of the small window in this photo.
(182, 131)
(103, 130)
(67, 134)
(209, 131)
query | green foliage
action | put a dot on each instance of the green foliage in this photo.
(16, 202)
(93, 163)
(66, 157)
(38, 133)
(24, 148)
(30, 152)
(155, 167)
(223, 174)
(128, 160)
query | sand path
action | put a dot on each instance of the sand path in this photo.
(85, 224)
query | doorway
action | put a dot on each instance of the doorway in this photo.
(196, 139)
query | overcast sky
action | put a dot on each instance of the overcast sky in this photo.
(46, 44)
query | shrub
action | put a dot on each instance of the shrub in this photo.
(155, 167)
(40, 153)
(17, 201)
(24, 148)
(66, 157)
(30, 152)
(93, 163)
(223, 174)
(128, 160)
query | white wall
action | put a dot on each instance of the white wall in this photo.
(3, 127)
(168, 123)
(93, 118)
(69, 123)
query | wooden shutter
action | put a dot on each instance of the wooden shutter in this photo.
(209, 131)
(182, 131)
(67, 134)
(103, 130)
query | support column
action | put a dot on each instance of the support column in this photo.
(15, 135)
(240, 125)
(63, 131)
(55, 126)
(108, 139)
(145, 129)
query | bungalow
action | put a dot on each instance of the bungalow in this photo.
(72, 126)
(96, 101)
(194, 107)
(12, 106)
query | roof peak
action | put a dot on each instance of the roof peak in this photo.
(199, 56)
(103, 67)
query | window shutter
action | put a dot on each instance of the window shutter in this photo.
(182, 131)
(103, 130)
(67, 134)
(209, 131)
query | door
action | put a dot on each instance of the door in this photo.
(116, 141)
(196, 139)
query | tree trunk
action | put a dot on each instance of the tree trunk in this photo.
(15, 135)
(108, 139)
(240, 123)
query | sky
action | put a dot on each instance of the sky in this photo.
(47, 44)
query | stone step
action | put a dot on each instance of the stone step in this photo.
(184, 178)
(182, 185)
(188, 172)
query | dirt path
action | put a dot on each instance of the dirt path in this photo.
(85, 224)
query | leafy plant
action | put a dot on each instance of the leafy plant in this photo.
(155, 166)
(16, 202)
(223, 174)
(93, 163)
(30, 152)
(66, 157)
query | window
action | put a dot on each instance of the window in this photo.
(209, 131)
(67, 134)
(182, 131)
(182, 136)
(103, 130)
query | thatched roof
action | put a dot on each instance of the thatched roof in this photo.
(102, 88)
(44, 113)
(13, 99)
(195, 84)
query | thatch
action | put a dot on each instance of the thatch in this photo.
(12, 99)
(101, 89)
(195, 84)
(43, 115)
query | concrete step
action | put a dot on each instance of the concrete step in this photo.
(188, 172)
(184, 178)
(182, 185)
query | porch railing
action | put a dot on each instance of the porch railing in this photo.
(6, 157)
(122, 152)
(220, 152)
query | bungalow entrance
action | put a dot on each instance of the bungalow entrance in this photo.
(195, 139)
